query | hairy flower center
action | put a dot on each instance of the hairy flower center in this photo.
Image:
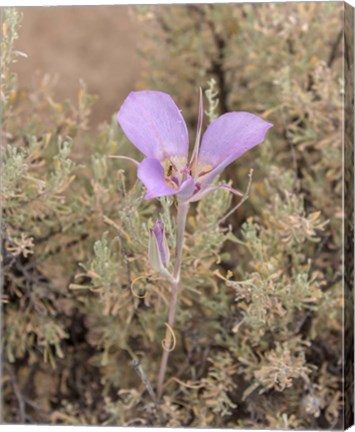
(198, 169)
(174, 170)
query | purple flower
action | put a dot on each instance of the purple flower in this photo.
(158, 251)
(154, 124)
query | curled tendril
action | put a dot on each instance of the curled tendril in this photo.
(164, 341)
(132, 290)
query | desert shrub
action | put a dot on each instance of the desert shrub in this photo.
(259, 321)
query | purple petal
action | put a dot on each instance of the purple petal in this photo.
(159, 232)
(154, 124)
(151, 174)
(228, 137)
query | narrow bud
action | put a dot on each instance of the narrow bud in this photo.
(158, 251)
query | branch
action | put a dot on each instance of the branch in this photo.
(18, 394)
(140, 372)
(334, 50)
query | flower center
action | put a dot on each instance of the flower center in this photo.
(174, 170)
(199, 170)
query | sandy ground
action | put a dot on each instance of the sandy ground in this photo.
(96, 43)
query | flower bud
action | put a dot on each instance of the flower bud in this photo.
(158, 251)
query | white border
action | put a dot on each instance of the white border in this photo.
(123, 2)
(4, 3)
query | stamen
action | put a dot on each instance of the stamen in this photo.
(170, 170)
(174, 169)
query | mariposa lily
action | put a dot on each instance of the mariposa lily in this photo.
(154, 124)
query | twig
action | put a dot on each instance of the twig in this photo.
(334, 50)
(19, 397)
(245, 197)
(140, 372)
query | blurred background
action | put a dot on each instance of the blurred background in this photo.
(97, 44)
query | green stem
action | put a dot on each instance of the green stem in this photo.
(182, 211)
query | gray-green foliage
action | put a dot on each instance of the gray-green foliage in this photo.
(259, 318)
(282, 261)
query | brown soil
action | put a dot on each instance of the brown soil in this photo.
(95, 43)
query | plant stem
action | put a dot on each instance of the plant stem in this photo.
(182, 211)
